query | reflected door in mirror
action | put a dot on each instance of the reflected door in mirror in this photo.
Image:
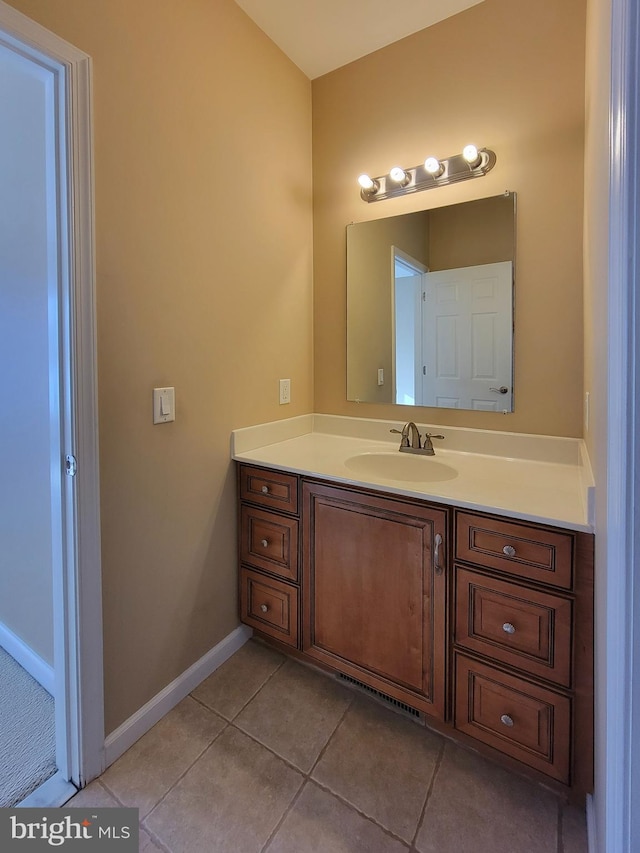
(467, 331)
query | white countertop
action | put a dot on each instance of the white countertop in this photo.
(544, 479)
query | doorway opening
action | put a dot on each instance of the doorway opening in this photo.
(50, 597)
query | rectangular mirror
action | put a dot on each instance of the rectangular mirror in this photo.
(430, 307)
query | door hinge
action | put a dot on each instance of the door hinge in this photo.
(424, 295)
(424, 369)
(70, 465)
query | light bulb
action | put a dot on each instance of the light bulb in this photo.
(398, 175)
(471, 155)
(366, 182)
(433, 166)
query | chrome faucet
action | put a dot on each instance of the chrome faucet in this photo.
(410, 441)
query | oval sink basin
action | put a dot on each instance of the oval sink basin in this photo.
(409, 467)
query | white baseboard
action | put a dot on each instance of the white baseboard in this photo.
(119, 741)
(27, 658)
(592, 838)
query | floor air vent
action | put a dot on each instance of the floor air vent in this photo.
(389, 700)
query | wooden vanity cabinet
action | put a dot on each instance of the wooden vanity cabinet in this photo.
(268, 548)
(522, 643)
(374, 591)
(491, 639)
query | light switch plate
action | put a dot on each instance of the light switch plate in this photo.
(164, 405)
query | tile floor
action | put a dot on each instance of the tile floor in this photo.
(269, 755)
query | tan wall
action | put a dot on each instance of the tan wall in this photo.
(596, 249)
(203, 218)
(463, 236)
(505, 75)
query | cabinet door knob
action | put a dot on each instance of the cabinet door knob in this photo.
(264, 609)
(509, 550)
(265, 490)
(264, 543)
(508, 628)
(506, 720)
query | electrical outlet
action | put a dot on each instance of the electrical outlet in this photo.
(285, 391)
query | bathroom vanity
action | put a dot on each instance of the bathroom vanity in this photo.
(478, 622)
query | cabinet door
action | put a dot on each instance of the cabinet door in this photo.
(375, 592)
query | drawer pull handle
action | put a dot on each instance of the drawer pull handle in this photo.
(264, 609)
(509, 551)
(508, 628)
(265, 490)
(264, 543)
(506, 720)
(436, 554)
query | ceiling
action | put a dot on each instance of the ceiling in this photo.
(322, 35)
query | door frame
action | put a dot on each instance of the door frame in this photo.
(77, 589)
(619, 783)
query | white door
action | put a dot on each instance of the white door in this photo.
(467, 338)
(49, 495)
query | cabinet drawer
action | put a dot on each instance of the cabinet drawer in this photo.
(269, 542)
(269, 488)
(513, 624)
(523, 720)
(537, 554)
(269, 606)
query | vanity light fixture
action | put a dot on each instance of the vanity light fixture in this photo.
(471, 155)
(399, 176)
(472, 163)
(368, 184)
(434, 167)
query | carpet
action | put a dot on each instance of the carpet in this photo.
(27, 733)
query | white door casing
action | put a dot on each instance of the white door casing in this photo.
(77, 582)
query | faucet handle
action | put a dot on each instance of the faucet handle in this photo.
(404, 434)
(433, 435)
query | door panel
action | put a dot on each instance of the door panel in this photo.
(467, 337)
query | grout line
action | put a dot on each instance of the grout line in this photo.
(182, 775)
(250, 699)
(359, 811)
(114, 795)
(270, 749)
(289, 808)
(330, 738)
(432, 783)
(157, 841)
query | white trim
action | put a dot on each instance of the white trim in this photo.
(29, 660)
(52, 794)
(78, 661)
(119, 741)
(623, 442)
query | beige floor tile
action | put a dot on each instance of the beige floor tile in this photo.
(476, 807)
(147, 844)
(320, 823)
(296, 713)
(382, 763)
(231, 686)
(230, 801)
(94, 795)
(145, 772)
(574, 830)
